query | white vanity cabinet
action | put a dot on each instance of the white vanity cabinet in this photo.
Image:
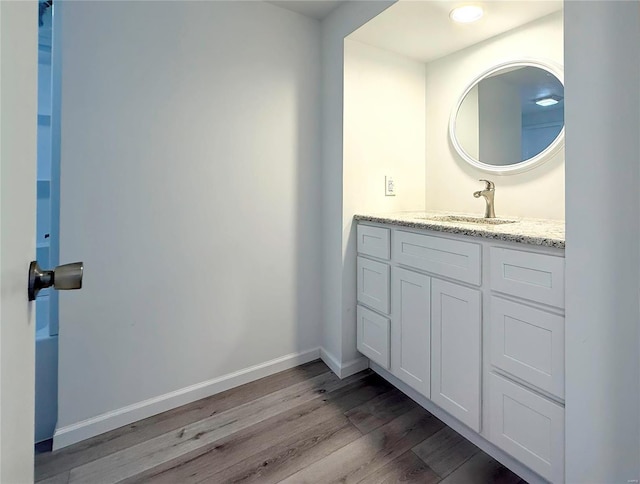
(474, 325)
(435, 324)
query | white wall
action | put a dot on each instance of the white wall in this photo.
(603, 242)
(450, 181)
(191, 191)
(384, 134)
(384, 130)
(341, 22)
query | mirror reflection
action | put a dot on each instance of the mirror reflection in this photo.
(510, 116)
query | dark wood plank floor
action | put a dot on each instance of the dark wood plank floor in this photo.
(303, 425)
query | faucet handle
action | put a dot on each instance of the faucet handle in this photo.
(489, 185)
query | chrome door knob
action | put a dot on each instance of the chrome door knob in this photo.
(62, 278)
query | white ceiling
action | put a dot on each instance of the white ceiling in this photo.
(317, 9)
(423, 31)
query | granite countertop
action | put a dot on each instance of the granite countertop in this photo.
(541, 232)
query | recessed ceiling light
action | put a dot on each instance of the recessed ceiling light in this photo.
(548, 100)
(466, 14)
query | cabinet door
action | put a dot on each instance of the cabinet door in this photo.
(410, 329)
(456, 363)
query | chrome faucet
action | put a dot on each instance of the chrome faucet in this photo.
(488, 194)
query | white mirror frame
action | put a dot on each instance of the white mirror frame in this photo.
(524, 165)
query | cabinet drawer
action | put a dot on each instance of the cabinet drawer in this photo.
(529, 344)
(373, 284)
(373, 336)
(537, 277)
(374, 241)
(445, 257)
(527, 426)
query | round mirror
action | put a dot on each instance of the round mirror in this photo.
(510, 118)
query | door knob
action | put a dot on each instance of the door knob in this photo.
(62, 278)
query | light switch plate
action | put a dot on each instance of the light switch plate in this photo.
(389, 186)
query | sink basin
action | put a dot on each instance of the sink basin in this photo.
(469, 220)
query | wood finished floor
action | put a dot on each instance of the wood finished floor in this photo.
(303, 425)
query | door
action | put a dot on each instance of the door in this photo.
(456, 363)
(18, 111)
(410, 329)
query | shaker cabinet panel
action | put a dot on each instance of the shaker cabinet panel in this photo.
(373, 284)
(374, 241)
(528, 343)
(444, 257)
(527, 426)
(537, 277)
(373, 336)
(410, 329)
(456, 364)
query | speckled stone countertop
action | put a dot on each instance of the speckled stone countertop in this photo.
(546, 233)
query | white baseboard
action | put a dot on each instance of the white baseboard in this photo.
(346, 369)
(498, 454)
(70, 434)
